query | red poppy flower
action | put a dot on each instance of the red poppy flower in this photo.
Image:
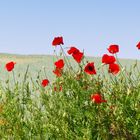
(114, 68)
(58, 89)
(108, 59)
(59, 64)
(138, 46)
(77, 55)
(57, 41)
(90, 69)
(97, 98)
(45, 82)
(58, 72)
(10, 66)
(72, 50)
(113, 49)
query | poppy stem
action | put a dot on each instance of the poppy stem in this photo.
(14, 77)
(118, 60)
(46, 75)
(66, 60)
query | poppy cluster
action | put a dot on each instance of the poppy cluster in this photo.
(110, 60)
(77, 56)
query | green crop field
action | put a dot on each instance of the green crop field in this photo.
(38, 62)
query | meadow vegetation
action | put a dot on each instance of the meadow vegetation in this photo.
(85, 99)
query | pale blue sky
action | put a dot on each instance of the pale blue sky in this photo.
(29, 26)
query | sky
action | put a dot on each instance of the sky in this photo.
(29, 26)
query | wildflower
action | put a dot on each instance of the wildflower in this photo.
(76, 54)
(10, 66)
(55, 88)
(45, 82)
(97, 98)
(72, 50)
(90, 69)
(78, 57)
(59, 64)
(58, 72)
(114, 68)
(113, 49)
(58, 89)
(106, 59)
(57, 41)
(138, 45)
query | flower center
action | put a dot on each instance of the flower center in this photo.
(90, 68)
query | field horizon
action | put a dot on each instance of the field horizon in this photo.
(52, 55)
